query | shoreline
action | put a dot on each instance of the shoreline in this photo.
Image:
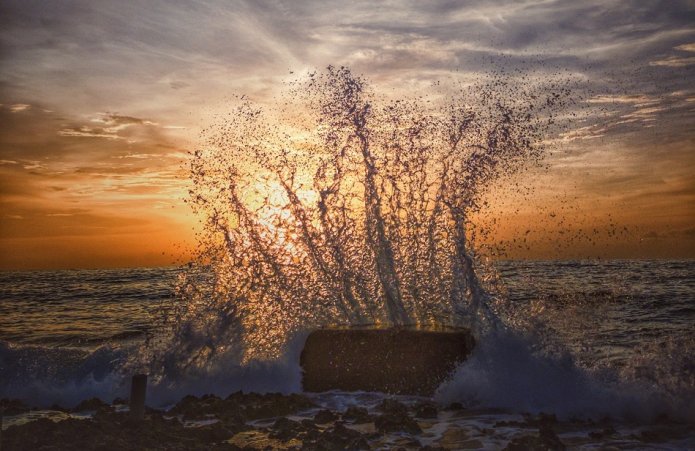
(320, 421)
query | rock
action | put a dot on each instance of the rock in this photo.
(285, 429)
(119, 402)
(396, 422)
(392, 407)
(111, 430)
(357, 415)
(325, 416)
(240, 407)
(90, 404)
(535, 443)
(395, 360)
(340, 437)
(426, 410)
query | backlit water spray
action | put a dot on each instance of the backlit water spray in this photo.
(338, 206)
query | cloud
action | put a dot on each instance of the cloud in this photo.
(88, 132)
(674, 61)
(18, 107)
(690, 47)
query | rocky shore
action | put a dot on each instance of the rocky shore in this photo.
(250, 421)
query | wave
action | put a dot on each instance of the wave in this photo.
(509, 371)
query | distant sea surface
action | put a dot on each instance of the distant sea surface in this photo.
(623, 303)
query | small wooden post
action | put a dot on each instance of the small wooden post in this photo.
(138, 389)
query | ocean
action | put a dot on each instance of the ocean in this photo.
(619, 332)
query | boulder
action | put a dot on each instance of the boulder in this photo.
(396, 360)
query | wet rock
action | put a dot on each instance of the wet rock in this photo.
(274, 405)
(535, 443)
(240, 406)
(455, 406)
(308, 424)
(285, 429)
(357, 415)
(215, 432)
(111, 430)
(325, 416)
(340, 437)
(396, 422)
(392, 407)
(90, 404)
(426, 410)
(433, 448)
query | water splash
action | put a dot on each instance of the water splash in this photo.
(338, 206)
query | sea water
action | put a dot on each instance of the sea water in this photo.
(64, 334)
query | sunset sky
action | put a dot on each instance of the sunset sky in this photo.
(100, 101)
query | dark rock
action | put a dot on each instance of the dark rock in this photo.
(325, 416)
(396, 422)
(285, 429)
(353, 359)
(426, 410)
(240, 407)
(308, 424)
(392, 407)
(357, 415)
(535, 443)
(119, 402)
(110, 430)
(340, 437)
(90, 404)
(214, 432)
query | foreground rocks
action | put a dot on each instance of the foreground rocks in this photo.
(293, 422)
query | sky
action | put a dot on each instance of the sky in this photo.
(101, 101)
